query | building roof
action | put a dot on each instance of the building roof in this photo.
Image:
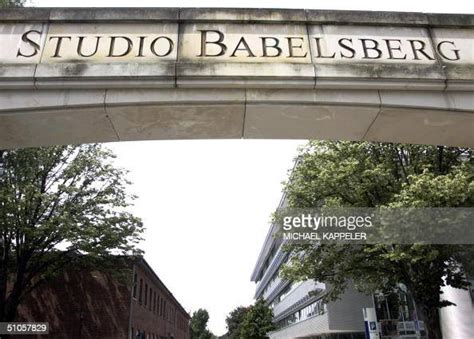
(267, 245)
(270, 239)
(141, 261)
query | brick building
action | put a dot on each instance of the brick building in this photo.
(124, 300)
(155, 312)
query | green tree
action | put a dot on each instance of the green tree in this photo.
(12, 3)
(198, 325)
(55, 203)
(361, 174)
(257, 322)
(234, 321)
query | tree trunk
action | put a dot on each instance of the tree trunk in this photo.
(430, 317)
(9, 305)
(3, 288)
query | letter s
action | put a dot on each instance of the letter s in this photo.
(368, 221)
(25, 38)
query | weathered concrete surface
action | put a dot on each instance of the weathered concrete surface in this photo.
(197, 47)
(46, 117)
(172, 114)
(107, 74)
(321, 114)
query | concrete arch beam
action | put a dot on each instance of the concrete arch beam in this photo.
(46, 117)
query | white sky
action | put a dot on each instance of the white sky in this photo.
(206, 204)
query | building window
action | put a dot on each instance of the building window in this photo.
(151, 298)
(146, 293)
(135, 285)
(158, 305)
(140, 291)
(314, 309)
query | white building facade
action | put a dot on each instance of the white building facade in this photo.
(298, 309)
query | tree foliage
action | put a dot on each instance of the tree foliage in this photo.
(234, 321)
(198, 325)
(361, 174)
(12, 3)
(257, 322)
(57, 202)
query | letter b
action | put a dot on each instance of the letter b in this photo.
(265, 46)
(218, 42)
(373, 48)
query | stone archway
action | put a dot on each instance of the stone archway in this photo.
(92, 75)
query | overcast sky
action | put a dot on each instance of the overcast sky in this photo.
(206, 204)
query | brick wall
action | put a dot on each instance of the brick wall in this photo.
(83, 304)
(155, 311)
(80, 304)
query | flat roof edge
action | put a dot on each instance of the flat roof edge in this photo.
(167, 14)
(141, 260)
